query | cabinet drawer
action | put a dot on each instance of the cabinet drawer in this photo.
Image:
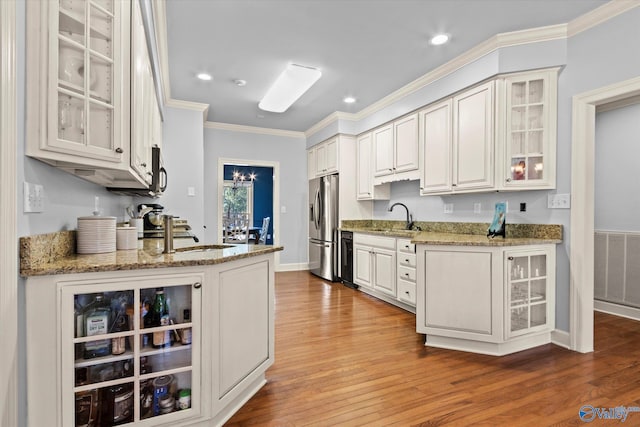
(405, 245)
(407, 292)
(408, 260)
(407, 273)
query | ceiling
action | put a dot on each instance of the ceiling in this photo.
(365, 48)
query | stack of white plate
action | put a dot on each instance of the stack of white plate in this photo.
(96, 234)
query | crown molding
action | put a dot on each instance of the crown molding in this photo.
(335, 116)
(253, 129)
(533, 35)
(599, 15)
(188, 105)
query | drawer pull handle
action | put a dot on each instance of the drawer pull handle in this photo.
(119, 150)
(197, 285)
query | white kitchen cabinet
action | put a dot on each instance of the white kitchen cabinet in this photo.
(529, 300)
(529, 110)
(473, 139)
(485, 299)
(436, 147)
(146, 125)
(105, 374)
(375, 263)
(457, 143)
(364, 172)
(323, 159)
(244, 340)
(225, 344)
(406, 256)
(77, 82)
(395, 148)
(79, 95)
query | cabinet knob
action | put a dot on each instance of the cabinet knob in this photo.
(406, 274)
(119, 150)
(406, 260)
(150, 173)
(406, 292)
(510, 258)
(508, 179)
(454, 185)
(197, 285)
(144, 165)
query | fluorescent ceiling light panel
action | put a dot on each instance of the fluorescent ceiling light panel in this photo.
(290, 85)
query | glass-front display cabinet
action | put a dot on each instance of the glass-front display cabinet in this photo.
(132, 353)
(530, 130)
(527, 293)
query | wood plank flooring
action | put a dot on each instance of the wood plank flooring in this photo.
(345, 358)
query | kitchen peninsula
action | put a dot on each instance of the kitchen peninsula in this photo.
(469, 292)
(219, 334)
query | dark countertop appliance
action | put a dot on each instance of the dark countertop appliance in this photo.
(153, 219)
(158, 179)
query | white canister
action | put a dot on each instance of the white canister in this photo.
(96, 234)
(138, 224)
(126, 238)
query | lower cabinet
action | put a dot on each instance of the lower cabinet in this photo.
(491, 300)
(171, 346)
(385, 268)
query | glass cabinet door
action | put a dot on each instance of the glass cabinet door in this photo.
(133, 352)
(530, 128)
(88, 39)
(526, 292)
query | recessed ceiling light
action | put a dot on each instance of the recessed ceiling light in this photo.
(349, 99)
(439, 39)
(204, 76)
(240, 82)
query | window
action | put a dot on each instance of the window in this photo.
(238, 199)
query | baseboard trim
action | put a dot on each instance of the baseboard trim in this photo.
(292, 267)
(561, 339)
(617, 309)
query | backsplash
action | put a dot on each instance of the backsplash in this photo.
(538, 231)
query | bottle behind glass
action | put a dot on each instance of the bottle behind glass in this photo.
(161, 318)
(96, 319)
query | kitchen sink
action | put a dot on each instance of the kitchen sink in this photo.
(203, 248)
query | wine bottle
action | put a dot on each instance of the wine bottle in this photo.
(161, 318)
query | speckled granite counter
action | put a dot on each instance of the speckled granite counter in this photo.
(54, 253)
(459, 233)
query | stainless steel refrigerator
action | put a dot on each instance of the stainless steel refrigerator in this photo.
(323, 227)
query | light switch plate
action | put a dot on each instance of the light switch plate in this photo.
(33, 197)
(559, 201)
(191, 191)
(448, 208)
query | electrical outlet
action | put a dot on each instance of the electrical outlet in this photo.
(477, 208)
(191, 191)
(33, 197)
(559, 201)
(523, 207)
(448, 208)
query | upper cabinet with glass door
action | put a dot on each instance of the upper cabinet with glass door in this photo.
(529, 137)
(77, 82)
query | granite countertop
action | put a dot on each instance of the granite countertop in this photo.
(459, 234)
(54, 253)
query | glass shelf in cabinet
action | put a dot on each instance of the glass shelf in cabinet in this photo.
(81, 363)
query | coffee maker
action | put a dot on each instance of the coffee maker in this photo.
(153, 219)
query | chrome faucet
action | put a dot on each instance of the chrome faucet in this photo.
(168, 234)
(409, 224)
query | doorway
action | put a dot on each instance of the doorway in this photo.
(581, 259)
(256, 196)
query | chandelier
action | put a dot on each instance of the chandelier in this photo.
(240, 179)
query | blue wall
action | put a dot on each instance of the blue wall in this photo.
(262, 193)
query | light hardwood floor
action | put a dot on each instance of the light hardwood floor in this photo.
(345, 358)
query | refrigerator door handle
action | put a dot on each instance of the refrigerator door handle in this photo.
(319, 244)
(318, 209)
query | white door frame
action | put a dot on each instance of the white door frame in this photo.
(275, 220)
(8, 217)
(581, 257)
